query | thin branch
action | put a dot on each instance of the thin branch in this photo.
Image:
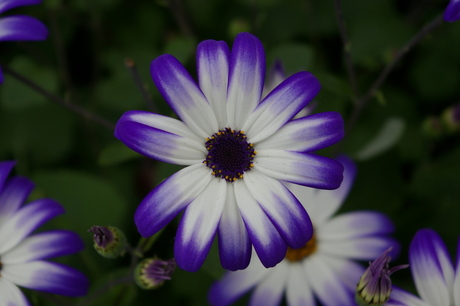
(178, 11)
(389, 68)
(72, 107)
(131, 65)
(346, 48)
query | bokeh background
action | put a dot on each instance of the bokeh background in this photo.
(405, 170)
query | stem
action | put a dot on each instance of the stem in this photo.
(346, 48)
(72, 107)
(131, 65)
(389, 68)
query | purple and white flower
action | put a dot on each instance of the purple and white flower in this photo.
(325, 269)
(20, 27)
(436, 279)
(452, 12)
(237, 149)
(22, 255)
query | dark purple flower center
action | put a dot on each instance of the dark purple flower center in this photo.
(229, 154)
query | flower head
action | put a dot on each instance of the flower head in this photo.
(20, 27)
(153, 272)
(237, 149)
(452, 12)
(374, 287)
(325, 268)
(436, 279)
(109, 241)
(22, 255)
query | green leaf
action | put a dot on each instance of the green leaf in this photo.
(387, 137)
(116, 153)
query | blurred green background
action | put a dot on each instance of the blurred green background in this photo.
(410, 174)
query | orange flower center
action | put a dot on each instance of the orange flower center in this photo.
(309, 248)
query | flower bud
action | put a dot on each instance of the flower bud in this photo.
(152, 272)
(451, 118)
(109, 241)
(374, 287)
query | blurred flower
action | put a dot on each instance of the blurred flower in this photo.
(20, 27)
(109, 241)
(151, 273)
(325, 268)
(451, 118)
(374, 287)
(237, 149)
(452, 12)
(436, 280)
(22, 256)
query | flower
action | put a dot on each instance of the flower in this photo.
(20, 27)
(109, 241)
(325, 269)
(237, 149)
(22, 255)
(452, 12)
(436, 280)
(151, 273)
(374, 287)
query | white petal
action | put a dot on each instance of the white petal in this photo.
(270, 290)
(299, 291)
(400, 297)
(10, 295)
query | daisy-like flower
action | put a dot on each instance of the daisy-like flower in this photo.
(20, 27)
(237, 149)
(436, 279)
(325, 268)
(22, 255)
(452, 12)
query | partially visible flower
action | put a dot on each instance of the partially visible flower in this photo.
(451, 118)
(452, 12)
(20, 27)
(436, 279)
(151, 273)
(109, 241)
(238, 150)
(325, 268)
(22, 255)
(374, 286)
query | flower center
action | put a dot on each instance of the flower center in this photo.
(309, 248)
(229, 154)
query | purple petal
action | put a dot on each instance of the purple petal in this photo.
(9, 4)
(13, 195)
(48, 277)
(1, 82)
(457, 278)
(246, 81)
(183, 95)
(306, 134)
(198, 226)
(270, 290)
(400, 297)
(298, 289)
(159, 137)
(283, 209)
(452, 12)
(22, 28)
(234, 284)
(364, 248)
(431, 267)
(164, 202)
(299, 168)
(11, 295)
(213, 59)
(234, 242)
(44, 245)
(26, 220)
(275, 77)
(281, 105)
(354, 225)
(323, 273)
(267, 241)
(5, 168)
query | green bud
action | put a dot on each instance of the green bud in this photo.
(109, 241)
(151, 273)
